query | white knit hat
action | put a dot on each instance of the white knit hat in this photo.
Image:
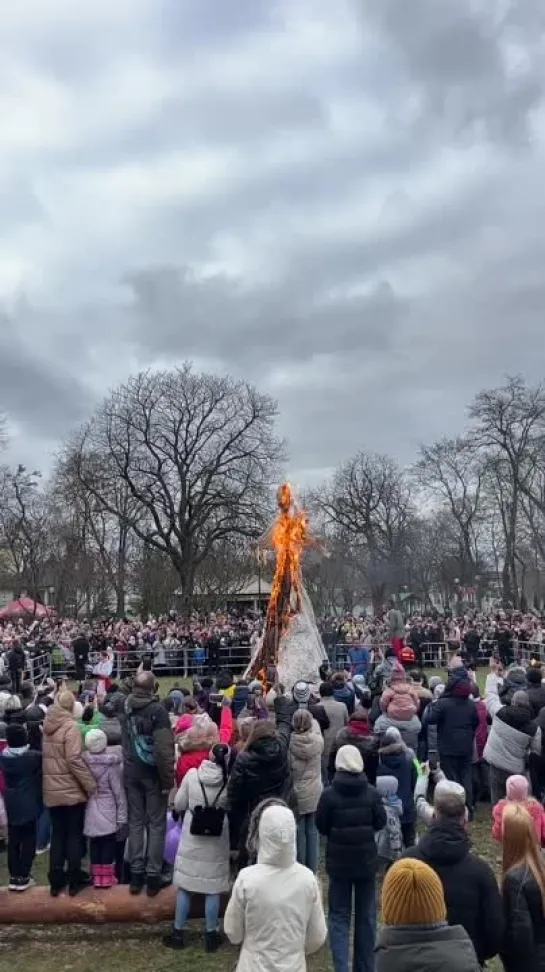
(349, 759)
(96, 741)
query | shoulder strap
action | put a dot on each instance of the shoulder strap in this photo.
(216, 798)
(218, 794)
(203, 793)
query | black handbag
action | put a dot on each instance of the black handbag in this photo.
(208, 820)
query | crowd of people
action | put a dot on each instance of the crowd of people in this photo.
(204, 644)
(231, 788)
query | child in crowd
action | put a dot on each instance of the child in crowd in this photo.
(197, 741)
(106, 810)
(395, 759)
(390, 838)
(22, 772)
(517, 790)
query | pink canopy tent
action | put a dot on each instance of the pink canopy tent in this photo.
(25, 607)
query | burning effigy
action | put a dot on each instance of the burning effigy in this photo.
(291, 643)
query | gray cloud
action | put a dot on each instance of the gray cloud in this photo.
(340, 202)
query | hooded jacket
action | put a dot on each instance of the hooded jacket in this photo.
(306, 750)
(202, 863)
(396, 760)
(106, 810)
(275, 911)
(524, 944)
(153, 720)
(425, 948)
(67, 779)
(471, 892)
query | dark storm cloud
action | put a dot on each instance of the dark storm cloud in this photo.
(342, 202)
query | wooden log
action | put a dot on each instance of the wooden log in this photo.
(91, 907)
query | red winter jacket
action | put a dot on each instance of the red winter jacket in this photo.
(196, 742)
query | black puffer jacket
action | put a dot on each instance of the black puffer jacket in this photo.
(471, 892)
(350, 813)
(259, 772)
(536, 692)
(524, 944)
(456, 720)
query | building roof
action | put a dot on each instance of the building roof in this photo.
(253, 589)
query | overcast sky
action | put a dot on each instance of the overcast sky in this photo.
(343, 201)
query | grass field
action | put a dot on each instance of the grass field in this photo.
(138, 948)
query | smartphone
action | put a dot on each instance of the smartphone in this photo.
(216, 698)
(433, 762)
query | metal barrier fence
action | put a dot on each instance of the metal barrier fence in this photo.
(183, 662)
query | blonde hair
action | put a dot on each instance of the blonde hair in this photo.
(302, 721)
(520, 845)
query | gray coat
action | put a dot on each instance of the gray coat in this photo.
(507, 748)
(306, 750)
(425, 949)
(409, 729)
(202, 863)
(337, 713)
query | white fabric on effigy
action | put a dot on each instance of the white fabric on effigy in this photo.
(301, 650)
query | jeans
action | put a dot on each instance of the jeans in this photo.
(21, 849)
(307, 842)
(211, 910)
(66, 844)
(460, 770)
(43, 830)
(365, 922)
(147, 811)
(498, 779)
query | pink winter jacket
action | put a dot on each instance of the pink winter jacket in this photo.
(400, 701)
(531, 806)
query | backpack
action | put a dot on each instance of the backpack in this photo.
(389, 839)
(407, 655)
(141, 742)
(208, 820)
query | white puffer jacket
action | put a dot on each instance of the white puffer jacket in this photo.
(276, 911)
(202, 863)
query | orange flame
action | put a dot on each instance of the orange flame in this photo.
(289, 537)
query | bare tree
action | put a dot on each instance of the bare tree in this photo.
(451, 471)
(24, 526)
(195, 454)
(369, 500)
(511, 421)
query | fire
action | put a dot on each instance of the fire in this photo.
(288, 537)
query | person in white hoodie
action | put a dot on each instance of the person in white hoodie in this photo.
(275, 911)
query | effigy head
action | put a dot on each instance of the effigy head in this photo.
(284, 497)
